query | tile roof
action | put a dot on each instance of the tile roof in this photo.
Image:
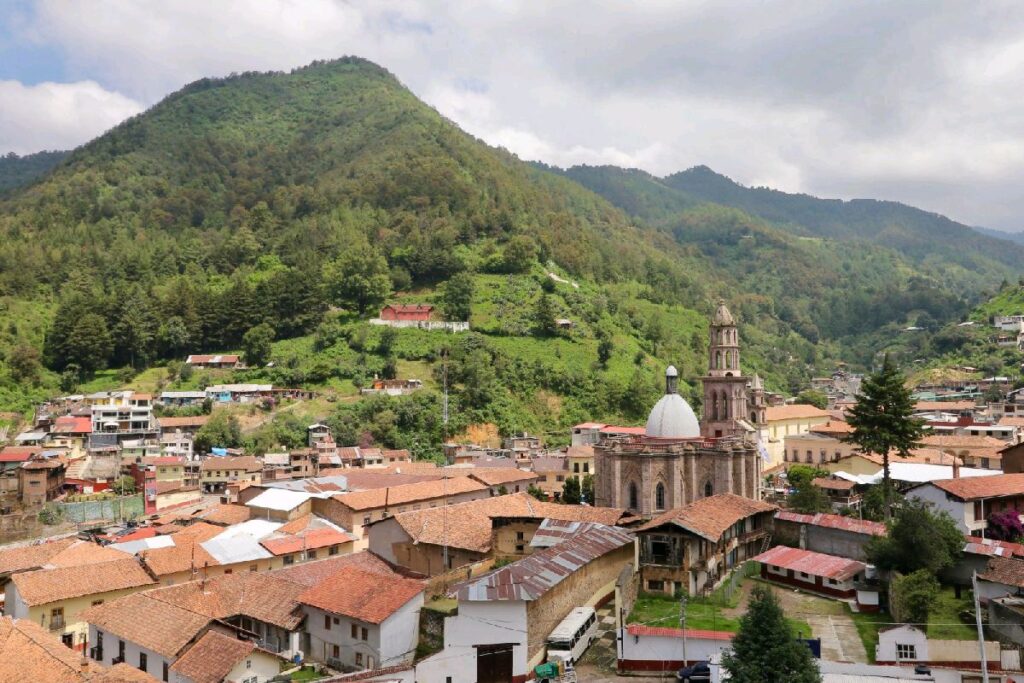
(1005, 570)
(1011, 421)
(834, 484)
(964, 442)
(31, 556)
(225, 514)
(121, 673)
(531, 577)
(145, 620)
(667, 632)
(18, 453)
(824, 519)
(496, 476)
(712, 516)
(794, 411)
(72, 424)
(306, 540)
(987, 546)
(468, 525)
(363, 595)
(832, 427)
(212, 658)
(975, 488)
(558, 463)
(311, 573)
(808, 562)
(409, 493)
(947, 406)
(43, 586)
(178, 422)
(362, 480)
(248, 463)
(185, 553)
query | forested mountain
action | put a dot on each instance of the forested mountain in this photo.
(16, 171)
(287, 206)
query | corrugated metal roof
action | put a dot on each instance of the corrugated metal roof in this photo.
(241, 542)
(823, 519)
(279, 499)
(531, 577)
(551, 532)
(132, 547)
(808, 562)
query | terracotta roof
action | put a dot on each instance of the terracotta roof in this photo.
(306, 540)
(165, 487)
(558, 463)
(18, 453)
(311, 573)
(212, 658)
(975, 488)
(397, 453)
(72, 424)
(43, 586)
(186, 552)
(832, 427)
(1004, 570)
(209, 358)
(361, 480)
(710, 517)
(834, 484)
(794, 411)
(468, 525)
(982, 446)
(988, 546)
(143, 619)
(1011, 421)
(237, 462)
(31, 653)
(362, 595)
(408, 493)
(808, 562)
(667, 632)
(946, 406)
(496, 476)
(533, 576)
(412, 467)
(178, 422)
(830, 521)
(32, 556)
(612, 429)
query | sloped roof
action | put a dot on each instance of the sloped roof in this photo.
(668, 632)
(363, 595)
(496, 476)
(793, 411)
(408, 493)
(830, 521)
(186, 553)
(808, 562)
(178, 422)
(212, 657)
(712, 516)
(225, 514)
(279, 499)
(237, 462)
(143, 619)
(974, 488)
(43, 586)
(531, 577)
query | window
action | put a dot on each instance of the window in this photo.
(586, 467)
(559, 478)
(333, 550)
(576, 467)
(254, 567)
(120, 650)
(659, 496)
(366, 520)
(634, 499)
(336, 620)
(708, 489)
(248, 664)
(655, 585)
(520, 548)
(359, 659)
(142, 661)
(906, 651)
(365, 634)
(355, 631)
(520, 536)
(327, 622)
(229, 571)
(335, 651)
(288, 559)
(310, 554)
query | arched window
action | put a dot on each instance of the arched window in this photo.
(708, 489)
(659, 496)
(714, 406)
(725, 407)
(634, 499)
(718, 360)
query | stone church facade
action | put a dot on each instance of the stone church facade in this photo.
(680, 459)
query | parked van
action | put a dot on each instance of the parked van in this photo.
(573, 636)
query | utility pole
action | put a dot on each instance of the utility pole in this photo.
(682, 623)
(977, 622)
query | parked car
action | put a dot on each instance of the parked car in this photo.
(696, 673)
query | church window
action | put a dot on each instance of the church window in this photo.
(634, 502)
(718, 360)
(708, 489)
(659, 496)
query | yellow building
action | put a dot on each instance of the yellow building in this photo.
(55, 598)
(581, 461)
(218, 472)
(782, 421)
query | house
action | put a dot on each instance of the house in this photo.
(781, 421)
(975, 451)
(41, 480)
(552, 472)
(281, 505)
(971, 500)
(31, 653)
(71, 432)
(361, 619)
(816, 572)
(189, 425)
(181, 399)
(841, 493)
(355, 510)
(217, 362)
(224, 514)
(218, 471)
(55, 598)
(406, 312)
(587, 433)
(1012, 457)
(432, 541)
(218, 657)
(504, 480)
(308, 538)
(504, 617)
(1000, 577)
(239, 393)
(392, 387)
(648, 649)
(65, 552)
(131, 420)
(826, 533)
(694, 547)
(906, 643)
(11, 460)
(581, 461)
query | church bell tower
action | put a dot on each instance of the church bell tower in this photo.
(725, 387)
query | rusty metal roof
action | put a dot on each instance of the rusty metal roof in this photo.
(531, 577)
(824, 519)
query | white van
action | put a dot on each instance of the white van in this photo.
(573, 636)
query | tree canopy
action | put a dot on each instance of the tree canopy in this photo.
(919, 538)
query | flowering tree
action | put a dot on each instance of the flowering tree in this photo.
(1005, 526)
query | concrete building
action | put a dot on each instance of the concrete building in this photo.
(816, 572)
(826, 533)
(970, 501)
(789, 420)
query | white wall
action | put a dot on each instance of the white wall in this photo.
(154, 661)
(477, 623)
(340, 634)
(14, 606)
(262, 666)
(668, 649)
(962, 513)
(885, 651)
(989, 590)
(400, 633)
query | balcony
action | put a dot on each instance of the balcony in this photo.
(57, 623)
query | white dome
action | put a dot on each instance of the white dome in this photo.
(672, 417)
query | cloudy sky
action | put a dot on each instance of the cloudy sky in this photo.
(919, 102)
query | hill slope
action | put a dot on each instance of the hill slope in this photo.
(16, 171)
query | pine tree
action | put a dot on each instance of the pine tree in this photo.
(883, 422)
(765, 649)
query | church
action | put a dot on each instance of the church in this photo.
(679, 459)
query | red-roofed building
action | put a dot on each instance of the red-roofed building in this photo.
(415, 312)
(224, 362)
(659, 648)
(816, 572)
(970, 500)
(11, 459)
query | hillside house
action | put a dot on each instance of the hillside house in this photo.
(782, 421)
(41, 480)
(392, 387)
(216, 362)
(11, 460)
(216, 472)
(694, 547)
(406, 312)
(181, 399)
(239, 393)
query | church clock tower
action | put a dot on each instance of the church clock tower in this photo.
(725, 387)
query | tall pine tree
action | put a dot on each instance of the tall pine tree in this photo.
(765, 649)
(883, 422)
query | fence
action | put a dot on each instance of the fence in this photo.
(115, 509)
(454, 326)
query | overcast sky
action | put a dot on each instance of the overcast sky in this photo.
(920, 102)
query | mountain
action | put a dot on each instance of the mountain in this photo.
(1016, 237)
(16, 171)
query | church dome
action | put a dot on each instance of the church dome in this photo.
(672, 417)
(722, 315)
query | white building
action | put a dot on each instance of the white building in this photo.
(969, 501)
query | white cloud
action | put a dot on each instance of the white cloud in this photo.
(57, 115)
(915, 101)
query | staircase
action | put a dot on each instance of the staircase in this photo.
(766, 543)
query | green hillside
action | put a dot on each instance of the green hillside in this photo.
(16, 171)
